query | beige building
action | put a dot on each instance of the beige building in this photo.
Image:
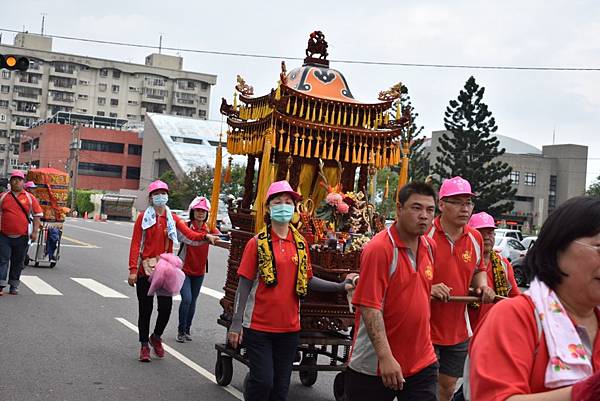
(66, 82)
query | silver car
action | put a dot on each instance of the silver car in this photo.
(510, 248)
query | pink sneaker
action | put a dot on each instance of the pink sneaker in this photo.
(145, 354)
(156, 343)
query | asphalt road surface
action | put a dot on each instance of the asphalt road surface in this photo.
(70, 335)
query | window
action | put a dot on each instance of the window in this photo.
(116, 74)
(3, 104)
(114, 102)
(101, 146)
(4, 88)
(82, 97)
(513, 243)
(203, 99)
(132, 89)
(204, 85)
(115, 88)
(101, 101)
(133, 173)
(100, 113)
(515, 176)
(102, 87)
(530, 179)
(64, 68)
(5, 74)
(202, 113)
(104, 72)
(83, 83)
(113, 115)
(552, 193)
(132, 102)
(100, 170)
(134, 149)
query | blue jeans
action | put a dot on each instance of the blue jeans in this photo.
(12, 251)
(189, 294)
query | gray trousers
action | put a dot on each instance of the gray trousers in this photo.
(12, 258)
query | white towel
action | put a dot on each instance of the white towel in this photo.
(149, 220)
(569, 362)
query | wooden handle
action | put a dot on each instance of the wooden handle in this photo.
(223, 244)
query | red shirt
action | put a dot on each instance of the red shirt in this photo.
(403, 295)
(508, 356)
(273, 309)
(195, 257)
(455, 265)
(14, 222)
(155, 239)
(476, 315)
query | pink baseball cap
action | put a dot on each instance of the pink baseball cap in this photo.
(482, 220)
(156, 185)
(18, 174)
(30, 184)
(200, 202)
(280, 187)
(455, 186)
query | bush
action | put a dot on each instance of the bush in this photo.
(83, 201)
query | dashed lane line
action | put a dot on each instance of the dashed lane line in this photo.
(76, 241)
(188, 362)
(39, 286)
(99, 288)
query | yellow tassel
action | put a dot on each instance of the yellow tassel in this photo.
(227, 178)
(216, 188)
(331, 146)
(280, 148)
(317, 146)
(369, 120)
(365, 154)
(296, 140)
(354, 152)
(321, 113)
(278, 91)
(314, 113)
(345, 116)
(387, 119)
(386, 191)
(351, 118)
(327, 114)
(378, 161)
(287, 108)
(364, 123)
(309, 145)
(235, 100)
(324, 155)
(287, 142)
(295, 106)
(339, 116)
(359, 153)
(302, 146)
(301, 109)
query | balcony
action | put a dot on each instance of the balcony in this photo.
(63, 72)
(28, 97)
(61, 101)
(26, 112)
(61, 87)
(30, 83)
(146, 97)
(186, 102)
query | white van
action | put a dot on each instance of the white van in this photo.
(504, 232)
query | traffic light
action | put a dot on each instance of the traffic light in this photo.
(11, 62)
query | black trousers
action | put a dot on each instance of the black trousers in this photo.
(271, 358)
(12, 258)
(419, 387)
(145, 305)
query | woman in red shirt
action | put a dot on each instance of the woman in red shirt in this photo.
(154, 232)
(544, 344)
(274, 274)
(194, 266)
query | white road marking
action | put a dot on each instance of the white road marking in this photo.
(39, 286)
(212, 293)
(98, 231)
(186, 361)
(99, 288)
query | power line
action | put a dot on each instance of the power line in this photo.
(342, 61)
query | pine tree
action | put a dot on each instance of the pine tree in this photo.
(594, 189)
(471, 151)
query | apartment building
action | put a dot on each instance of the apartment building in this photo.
(58, 82)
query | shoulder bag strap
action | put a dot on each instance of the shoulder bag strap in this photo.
(21, 207)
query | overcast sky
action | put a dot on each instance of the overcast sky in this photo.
(527, 105)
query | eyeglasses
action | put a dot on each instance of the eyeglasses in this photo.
(467, 204)
(594, 247)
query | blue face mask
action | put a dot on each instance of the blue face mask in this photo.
(282, 213)
(160, 199)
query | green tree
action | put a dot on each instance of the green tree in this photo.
(387, 206)
(594, 189)
(471, 150)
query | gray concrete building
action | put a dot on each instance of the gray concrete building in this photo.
(543, 178)
(79, 84)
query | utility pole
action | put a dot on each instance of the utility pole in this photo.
(8, 143)
(74, 148)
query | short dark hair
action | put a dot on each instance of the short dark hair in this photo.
(416, 187)
(576, 218)
(192, 218)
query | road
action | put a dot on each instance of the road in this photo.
(70, 335)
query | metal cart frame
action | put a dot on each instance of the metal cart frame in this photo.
(42, 243)
(334, 346)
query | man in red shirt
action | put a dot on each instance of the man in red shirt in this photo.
(392, 353)
(458, 267)
(17, 208)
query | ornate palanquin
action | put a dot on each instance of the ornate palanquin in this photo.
(308, 130)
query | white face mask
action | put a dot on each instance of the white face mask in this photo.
(160, 199)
